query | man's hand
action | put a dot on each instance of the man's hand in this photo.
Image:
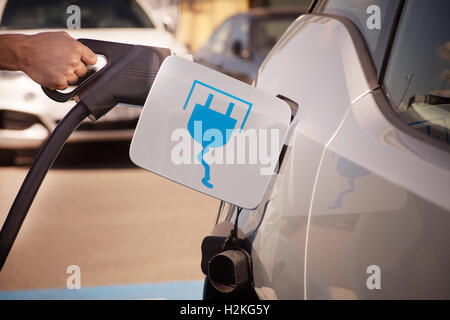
(52, 59)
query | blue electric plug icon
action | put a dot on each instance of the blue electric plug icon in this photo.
(210, 120)
(210, 128)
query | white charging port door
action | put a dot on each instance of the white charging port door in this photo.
(210, 132)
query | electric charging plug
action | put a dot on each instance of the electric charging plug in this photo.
(209, 119)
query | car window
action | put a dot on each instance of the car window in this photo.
(241, 33)
(357, 11)
(218, 41)
(268, 30)
(417, 77)
(45, 14)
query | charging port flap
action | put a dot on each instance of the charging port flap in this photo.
(210, 132)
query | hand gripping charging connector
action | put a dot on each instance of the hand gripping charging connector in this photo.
(126, 78)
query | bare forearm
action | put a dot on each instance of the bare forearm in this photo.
(52, 59)
(10, 51)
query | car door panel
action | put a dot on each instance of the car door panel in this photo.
(324, 91)
(378, 202)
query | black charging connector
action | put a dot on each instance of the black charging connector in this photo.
(216, 244)
(126, 78)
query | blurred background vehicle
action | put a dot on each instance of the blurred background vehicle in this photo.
(27, 116)
(240, 44)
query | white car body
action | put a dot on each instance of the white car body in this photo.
(359, 192)
(19, 93)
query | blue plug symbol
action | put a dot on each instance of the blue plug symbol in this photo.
(210, 119)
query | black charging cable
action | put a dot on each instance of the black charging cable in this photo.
(234, 232)
(30, 186)
(232, 240)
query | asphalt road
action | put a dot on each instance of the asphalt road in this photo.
(118, 223)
